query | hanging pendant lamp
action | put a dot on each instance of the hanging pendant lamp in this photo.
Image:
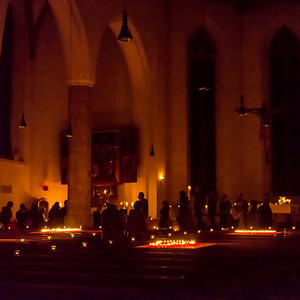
(125, 34)
(22, 124)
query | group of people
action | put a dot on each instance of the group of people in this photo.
(117, 225)
(241, 214)
(34, 218)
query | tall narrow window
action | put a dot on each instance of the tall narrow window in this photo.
(5, 87)
(202, 112)
(285, 99)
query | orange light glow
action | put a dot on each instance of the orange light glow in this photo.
(255, 232)
(60, 230)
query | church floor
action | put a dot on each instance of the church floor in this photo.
(233, 267)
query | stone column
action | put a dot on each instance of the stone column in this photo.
(79, 185)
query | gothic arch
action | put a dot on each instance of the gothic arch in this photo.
(78, 55)
(284, 64)
(202, 132)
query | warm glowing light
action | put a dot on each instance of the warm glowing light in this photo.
(284, 200)
(72, 235)
(53, 247)
(232, 227)
(49, 237)
(270, 227)
(60, 230)
(251, 227)
(184, 232)
(80, 227)
(27, 226)
(110, 241)
(133, 238)
(151, 218)
(173, 244)
(17, 252)
(60, 204)
(22, 240)
(255, 232)
(170, 227)
(100, 227)
(8, 228)
(211, 230)
(222, 228)
(206, 206)
(189, 188)
(199, 231)
(84, 244)
(161, 177)
(152, 236)
(94, 234)
(169, 234)
(293, 227)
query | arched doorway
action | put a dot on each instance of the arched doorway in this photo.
(285, 99)
(201, 64)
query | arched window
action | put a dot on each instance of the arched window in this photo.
(285, 99)
(202, 55)
(5, 86)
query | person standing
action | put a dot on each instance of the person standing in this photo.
(183, 214)
(265, 213)
(199, 203)
(22, 216)
(224, 208)
(6, 214)
(143, 204)
(212, 207)
(164, 215)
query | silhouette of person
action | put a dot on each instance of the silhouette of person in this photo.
(112, 224)
(54, 215)
(44, 208)
(253, 214)
(164, 215)
(238, 214)
(144, 204)
(199, 204)
(224, 208)
(36, 216)
(97, 217)
(22, 216)
(136, 222)
(63, 212)
(265, 213)
(212, 207)
(6, 214)
(183, 214)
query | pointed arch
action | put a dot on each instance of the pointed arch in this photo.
(201, 82)
(75, 45)
(284, 60)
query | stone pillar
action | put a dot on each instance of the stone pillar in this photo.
(79, 177)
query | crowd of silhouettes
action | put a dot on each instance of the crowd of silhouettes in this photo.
(119, 224)
(34, 218)
(241, 214)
